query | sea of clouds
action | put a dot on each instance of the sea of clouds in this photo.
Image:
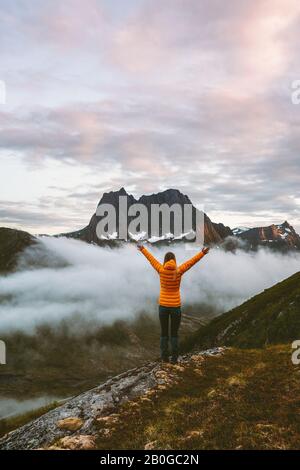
(61, 279)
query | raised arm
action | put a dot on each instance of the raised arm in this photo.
(189, 263)
(153, 261)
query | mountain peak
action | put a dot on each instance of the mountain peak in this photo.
(286, 224)
(112, 197)
(122, 191)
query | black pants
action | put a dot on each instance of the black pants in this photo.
(170, 315)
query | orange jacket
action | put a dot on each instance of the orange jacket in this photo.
(170, 277)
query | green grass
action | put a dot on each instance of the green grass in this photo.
(245, 399)
(272, 317)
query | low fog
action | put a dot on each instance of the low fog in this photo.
(63, 279)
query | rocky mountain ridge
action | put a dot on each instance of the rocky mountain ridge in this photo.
(282, 237)
(213, 232)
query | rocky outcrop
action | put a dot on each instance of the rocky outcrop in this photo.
(78, 422)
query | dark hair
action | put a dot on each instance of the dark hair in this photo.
(169, 256)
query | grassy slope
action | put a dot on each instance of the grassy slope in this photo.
(272, 317)
(245, 399)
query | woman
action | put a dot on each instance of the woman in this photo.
(169, 298)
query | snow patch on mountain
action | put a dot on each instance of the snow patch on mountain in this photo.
(239, 230)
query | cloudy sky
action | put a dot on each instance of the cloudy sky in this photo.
(189, 94)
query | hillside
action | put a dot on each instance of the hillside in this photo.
(234, 400)
(216, 399)
(272, 317)
(12, 243)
